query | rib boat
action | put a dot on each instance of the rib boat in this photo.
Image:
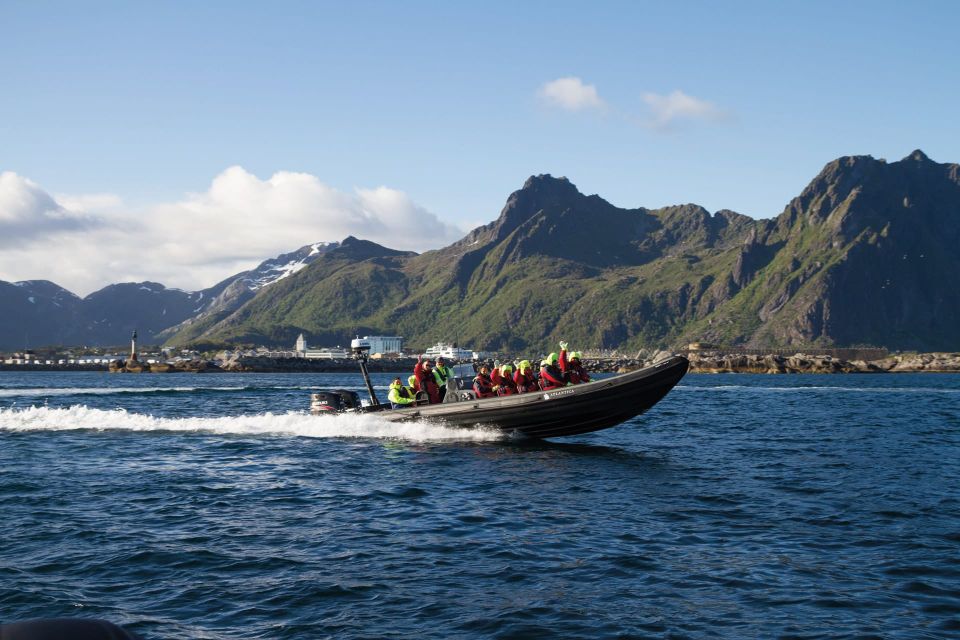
(566, 411)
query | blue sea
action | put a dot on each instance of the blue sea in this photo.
(215, 506)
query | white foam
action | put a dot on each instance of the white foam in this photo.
(291, 424)
(49, 392)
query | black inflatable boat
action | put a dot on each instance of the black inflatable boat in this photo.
(566, 411)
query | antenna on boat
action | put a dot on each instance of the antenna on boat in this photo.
(361, 351)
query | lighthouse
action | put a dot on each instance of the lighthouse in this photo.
(133, 346)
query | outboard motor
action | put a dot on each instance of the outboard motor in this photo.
(336, 401)
(348, 399)
(341, 400)
(324, 401)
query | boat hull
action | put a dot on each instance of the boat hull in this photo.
(561, 412)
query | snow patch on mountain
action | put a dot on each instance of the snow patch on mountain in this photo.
(286, 265)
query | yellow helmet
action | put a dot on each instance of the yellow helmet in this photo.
(576, 355)
(412, 381)
(524, 365)
(505, 369)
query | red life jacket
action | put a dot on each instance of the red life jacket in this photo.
(551, 377)
(483, 386)
(578, 374)
(525, 383)
(426, 382)
(504, 386)
(574, 372)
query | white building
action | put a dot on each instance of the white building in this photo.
(301, 345)
(384, 344)
(335, 353)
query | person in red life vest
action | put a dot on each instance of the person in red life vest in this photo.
(551, 377)
(572, 368)
(482, 384)
(524, 378)
(502, 378)
(426, 381)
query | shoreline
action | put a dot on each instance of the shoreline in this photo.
(700, 363)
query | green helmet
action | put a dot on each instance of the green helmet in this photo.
(524, 365)
(553, 358)
(412, 381)
(576, 355)
(505, 369)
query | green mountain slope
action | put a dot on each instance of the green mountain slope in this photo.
(866, 254)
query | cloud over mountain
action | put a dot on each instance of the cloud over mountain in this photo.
(194, 241)
(27, 212)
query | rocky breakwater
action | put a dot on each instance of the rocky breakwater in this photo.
(932, 362)
(713, 362)
(183, 366)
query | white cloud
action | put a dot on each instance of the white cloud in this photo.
(666, 111)
(88, 201)
(28, 212)
(84, 242)
(572, 94)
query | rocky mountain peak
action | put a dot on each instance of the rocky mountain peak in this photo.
(917, 156)
(538, 193)
(546, 182)
(357, 249)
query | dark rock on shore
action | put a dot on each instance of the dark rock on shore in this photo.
(188, 366)
(804, 363)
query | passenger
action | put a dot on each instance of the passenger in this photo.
(414, 385)
(425, 380)
(551, 377)
(482, 385)
(400, 396)
(502, 379)
(442, 373)
(524, 379)
(573, 368)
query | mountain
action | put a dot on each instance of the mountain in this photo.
(35, 312)
(39, 312)
(867, 254)
(864, 255)
(227, 296)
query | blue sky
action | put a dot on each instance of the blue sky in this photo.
(445, 102)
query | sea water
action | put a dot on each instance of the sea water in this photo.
(215, 506)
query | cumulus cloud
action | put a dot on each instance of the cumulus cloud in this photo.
(84, 242)
(667, 111)
(27, 212)
(571, 93)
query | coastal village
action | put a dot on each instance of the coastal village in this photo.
(389, 353)
(155, 359)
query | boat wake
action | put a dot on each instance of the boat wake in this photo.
(45, 392)
(297, 424)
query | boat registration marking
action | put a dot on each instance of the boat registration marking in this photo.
(556, 394)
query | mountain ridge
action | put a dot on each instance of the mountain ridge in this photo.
(559, 263)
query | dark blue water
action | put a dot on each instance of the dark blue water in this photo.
(191, 506)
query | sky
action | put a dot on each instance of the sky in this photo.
(182, 142)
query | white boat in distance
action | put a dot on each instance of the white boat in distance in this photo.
(450, 352)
